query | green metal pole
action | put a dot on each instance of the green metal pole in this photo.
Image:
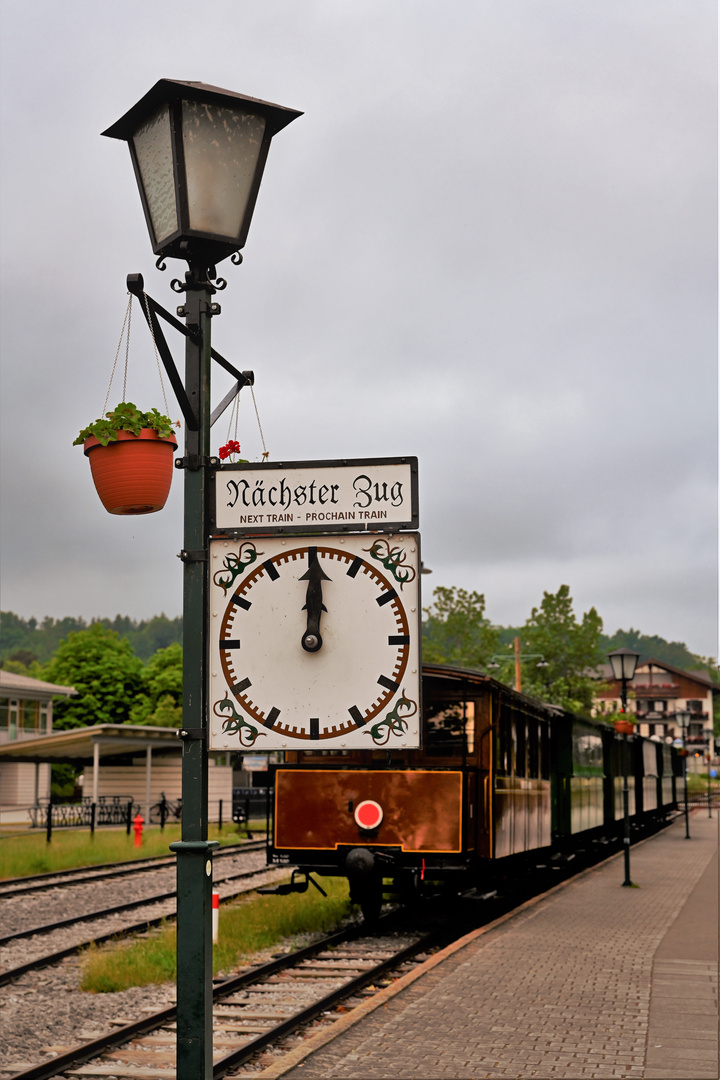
(194, 851)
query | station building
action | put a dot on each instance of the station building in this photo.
(656, 693)
(26, 712)
(119, 762)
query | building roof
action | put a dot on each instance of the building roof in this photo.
(24, 686)
(605, 672)
(76, 745)
(698, 676)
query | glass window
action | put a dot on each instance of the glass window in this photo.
(448, 725)
(533, 748)
(3, 714)
(544, 752)
(587, 752)
(505, 746)
(29, 713)
(521, 743)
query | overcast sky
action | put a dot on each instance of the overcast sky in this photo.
(489, 242)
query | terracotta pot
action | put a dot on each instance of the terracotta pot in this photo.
(132, 475)
(624, 727)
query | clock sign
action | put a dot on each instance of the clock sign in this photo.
(315, 642)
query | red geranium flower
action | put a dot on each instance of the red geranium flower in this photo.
(231, 447)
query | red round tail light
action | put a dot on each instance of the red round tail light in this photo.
(368, 814)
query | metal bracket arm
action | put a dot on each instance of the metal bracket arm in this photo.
(136, 286)
(187, 734)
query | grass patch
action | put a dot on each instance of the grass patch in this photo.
(697, 784)
(23, 856)
(246, 927)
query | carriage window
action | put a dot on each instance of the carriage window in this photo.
(449, 728)
(587, 753)
(521, 760)
(505, 746)
(533, 748)
(545, 751)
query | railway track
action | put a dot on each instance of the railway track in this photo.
(55, 955)
(84, 875)
(251, 1010)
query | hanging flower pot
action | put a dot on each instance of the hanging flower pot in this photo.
(624, 727)
(131, 459)
(133, 474)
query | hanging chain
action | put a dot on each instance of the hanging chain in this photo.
(266, 452)
(126, 322)
(234, 420)
(157, 358)
(127, 348)
(234, 417)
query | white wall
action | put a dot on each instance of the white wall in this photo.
(17, 783)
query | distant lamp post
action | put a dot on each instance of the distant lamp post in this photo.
(624, 663)
(682, 717)
(198, 154)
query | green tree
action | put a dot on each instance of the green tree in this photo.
(160, 700)
(571, 650)
(103, 669)
(456, 631)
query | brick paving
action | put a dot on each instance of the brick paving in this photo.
(595, 980)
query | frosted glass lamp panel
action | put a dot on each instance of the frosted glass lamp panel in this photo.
(221, 147)
(154, 154)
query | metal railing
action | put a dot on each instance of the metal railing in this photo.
(108, 810)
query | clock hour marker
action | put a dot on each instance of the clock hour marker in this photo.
(399, 639)
(314, 727)
(389, 684)
(271, 717)
(386, 597)
(230, 643)
(240, 601)
(272, 571)
(241, 687)
(356, 715)
(354, 566)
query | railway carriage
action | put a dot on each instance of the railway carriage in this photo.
(500, 780)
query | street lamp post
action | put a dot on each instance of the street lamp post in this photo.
(682, 717)
(624, 663)
(495, 662)
(198, 153)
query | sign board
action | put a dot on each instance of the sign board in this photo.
(315, 642)
(366, 494)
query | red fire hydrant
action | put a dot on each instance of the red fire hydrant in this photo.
(138, 823)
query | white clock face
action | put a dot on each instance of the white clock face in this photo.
(315, 642)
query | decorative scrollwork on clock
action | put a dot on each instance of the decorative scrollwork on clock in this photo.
(234, 565)
(393, 559)
(393, 723)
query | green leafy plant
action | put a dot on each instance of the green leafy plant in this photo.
(126, 417)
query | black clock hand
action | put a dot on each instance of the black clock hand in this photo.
(315, 575)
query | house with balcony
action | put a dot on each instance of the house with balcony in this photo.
(25, 713)
(656, 693)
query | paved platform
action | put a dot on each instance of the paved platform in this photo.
(593, 980)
